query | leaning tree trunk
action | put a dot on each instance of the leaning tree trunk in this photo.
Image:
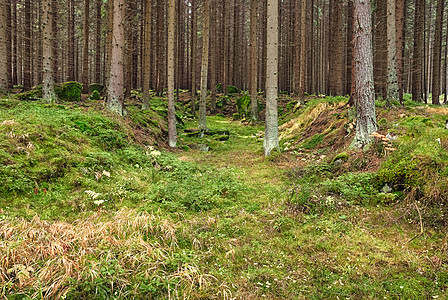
(271, 127)
(172, 136)
(363, 85)
(47, 35)
(115, 89)
(204, 68)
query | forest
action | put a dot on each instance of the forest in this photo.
(241, 149)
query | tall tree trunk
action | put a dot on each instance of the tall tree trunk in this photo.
(98, 42)
(115, 89)
(349, 45)
(335, 83)
(204, 67)
(303, 49)
(380, 49)
(55, 21)
(417, 60)
(271, 141)
(47, 32)
(71, 41)
(85, 55)
(392, 80)
(147, 53)
(14, 29)
(8, 43)
(193, 56)
(363, 91)
(27, 47)
(253, 59)
(226, 38)
(172, 135)
(400, 33)
(437, 54)
(4, 85)
(213, 53)
(297, 47)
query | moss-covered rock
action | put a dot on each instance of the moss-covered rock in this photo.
(69, 91)
(32, 95)
(96, 87)
(95, 95)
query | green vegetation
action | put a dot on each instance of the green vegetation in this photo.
(92, 207)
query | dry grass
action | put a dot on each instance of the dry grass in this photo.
(43, 257)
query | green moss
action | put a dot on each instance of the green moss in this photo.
(69, 91)
(314, 141)
(96, 87)
(95, 95)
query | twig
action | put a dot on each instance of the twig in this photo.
(420, 216)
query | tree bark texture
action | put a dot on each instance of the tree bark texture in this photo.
(172, 135)
(363, 92)
(271, 140)
(204, 67)
(47, 36)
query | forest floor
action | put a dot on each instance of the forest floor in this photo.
(92, 207)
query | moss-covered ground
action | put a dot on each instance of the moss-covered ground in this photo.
(94, 207)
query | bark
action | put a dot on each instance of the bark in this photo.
(303, 49)
(400, 33)
(271, 140)
(193, 56)
(348, 86)
(213, 58)
(226, 38)
(204, 67)
(3, 45)
(115, 89)
(27, 47)
(8, 43)
(147, 54)
(55, 21)
(71, 41)
(14, 29)
(297, 47)
(336, 86)
(392, 79)
(417, 60)
(437, 55)
(253, 60)
(172, 136)
(363, 86)
(98, 42)
(85, 54)
(47, 32)
(380, 49)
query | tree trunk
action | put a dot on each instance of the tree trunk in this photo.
(71, 41)
(392, 80)
(417, 60)
(193, 56)
(380, 49)
(253, 59)
(55, 21)
(147, 53)
(47, 32)
(399, 17)
(14, 29)
(213, 60)
(3, 47)
(437, 54)
(172, 135)
(271, 141)
(303, 49)
(115, 89)
(204, 67)
(8, 43)
(336, 87)
(363, 91)
(85, 55)
(98, 42)
(27, 47)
